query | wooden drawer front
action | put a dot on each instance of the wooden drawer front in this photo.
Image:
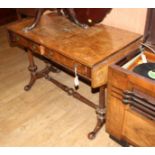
(67, 62)
(21, 41)
(139, 130)
(50, 54)
(18, 40)
(34, 47)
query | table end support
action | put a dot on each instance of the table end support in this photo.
(100, 111)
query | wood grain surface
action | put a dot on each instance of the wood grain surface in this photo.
(92, 49)
(88, 46)
(133, 123)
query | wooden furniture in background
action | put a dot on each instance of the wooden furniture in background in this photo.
(130, 115)
(25, 12)
(7, 15)
(65, 44)
(83, 17)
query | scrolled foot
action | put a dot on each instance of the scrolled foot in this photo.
(27, 87)
(92, 135)
(97, 128)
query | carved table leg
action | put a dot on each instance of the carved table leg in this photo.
(32, 68)
(100, 113)
(36, 20)
(38, 74)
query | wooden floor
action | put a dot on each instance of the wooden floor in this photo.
(44, 116)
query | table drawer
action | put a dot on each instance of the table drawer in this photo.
(50, 54)
(67, 62)
(16, 39)
(34, 47)
(22, 42)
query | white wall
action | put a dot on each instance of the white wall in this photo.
(132, 19)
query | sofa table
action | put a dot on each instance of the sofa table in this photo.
(89, 51)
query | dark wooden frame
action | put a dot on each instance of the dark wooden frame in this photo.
(100, 108)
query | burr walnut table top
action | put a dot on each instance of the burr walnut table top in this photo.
(90, 47)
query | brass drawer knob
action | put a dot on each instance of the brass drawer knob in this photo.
(33, 47)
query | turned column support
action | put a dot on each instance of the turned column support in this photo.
(100, 111)
(32, 68)
(34, 74)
